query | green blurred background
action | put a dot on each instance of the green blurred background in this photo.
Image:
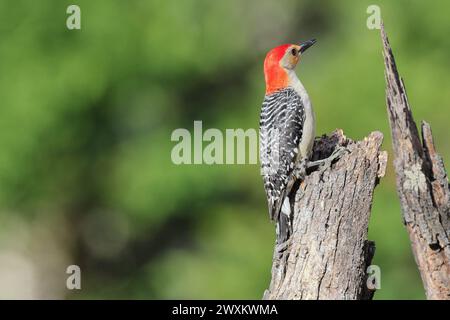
(86, 117)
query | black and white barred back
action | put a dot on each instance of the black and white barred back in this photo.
(281, 128)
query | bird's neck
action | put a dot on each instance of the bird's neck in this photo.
(294, 81)
(276, 78)
(297, 85)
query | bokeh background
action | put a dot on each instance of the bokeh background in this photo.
(86, 117)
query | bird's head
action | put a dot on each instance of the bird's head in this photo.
(279, 61)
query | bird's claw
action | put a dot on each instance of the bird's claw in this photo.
(281, 247)
(300, 170)
(338, 152)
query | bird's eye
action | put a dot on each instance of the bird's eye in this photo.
(294, 52)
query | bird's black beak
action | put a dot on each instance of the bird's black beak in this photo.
(306, 44)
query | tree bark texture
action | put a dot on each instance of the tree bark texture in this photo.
(328, 252)
(422, 185)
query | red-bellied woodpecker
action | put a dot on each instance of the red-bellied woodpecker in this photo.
(287, 131)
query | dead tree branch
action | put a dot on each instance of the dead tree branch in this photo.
(422, 185)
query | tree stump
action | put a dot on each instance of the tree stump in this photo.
(328, 252)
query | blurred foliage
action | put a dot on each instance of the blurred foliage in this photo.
(86, 118)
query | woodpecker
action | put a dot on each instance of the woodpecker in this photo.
(287, 131)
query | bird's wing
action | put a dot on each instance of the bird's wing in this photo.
(281, 128)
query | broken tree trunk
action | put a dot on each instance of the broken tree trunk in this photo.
(328, 252)
(422, 185)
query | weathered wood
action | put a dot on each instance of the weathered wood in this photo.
(422, 185)
(328, 252)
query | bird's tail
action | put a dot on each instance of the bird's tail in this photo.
(282, 216)
(283, 228)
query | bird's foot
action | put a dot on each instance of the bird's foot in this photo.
(281, 247)
(300, 170)
(326, 163)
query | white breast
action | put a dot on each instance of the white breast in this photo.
(309, 128)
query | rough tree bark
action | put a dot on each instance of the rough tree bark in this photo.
(328, 252)
(422, 185)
